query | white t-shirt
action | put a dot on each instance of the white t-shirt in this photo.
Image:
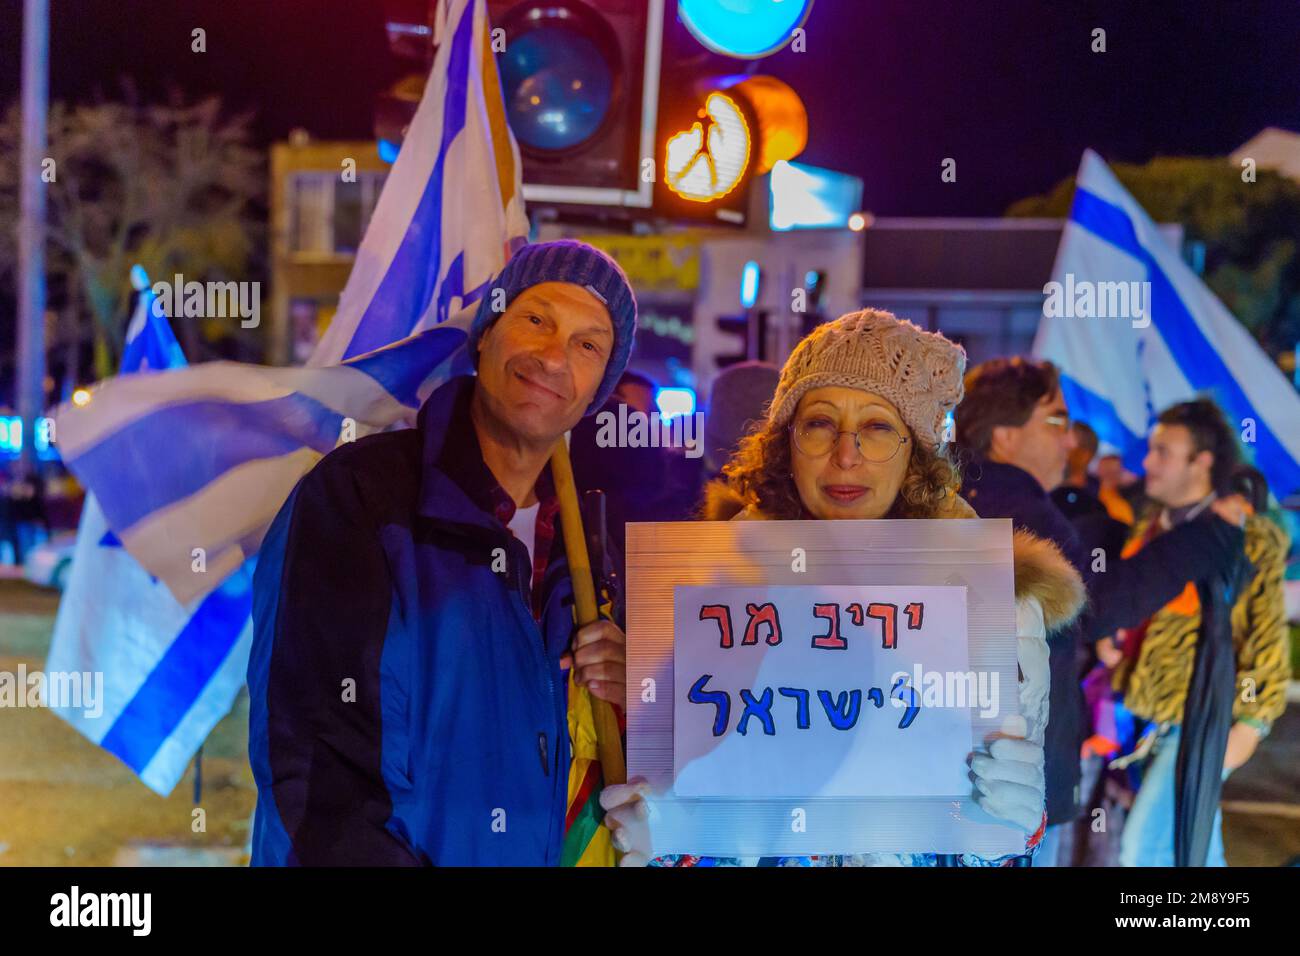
(524, 527)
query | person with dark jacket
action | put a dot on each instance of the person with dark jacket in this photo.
(1076, 496)
(1208, 670)
(1013, 430)
(413, 620)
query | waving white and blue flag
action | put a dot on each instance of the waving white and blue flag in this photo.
(164, 673)
(1134, 330)
(189, 467)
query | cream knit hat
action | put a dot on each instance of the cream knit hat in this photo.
(920, 372)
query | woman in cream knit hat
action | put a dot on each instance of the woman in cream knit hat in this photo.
(857, 429)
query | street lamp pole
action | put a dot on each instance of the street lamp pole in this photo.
(30, 384)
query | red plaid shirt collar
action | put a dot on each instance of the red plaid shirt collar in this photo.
(461, 459)
(499, 503)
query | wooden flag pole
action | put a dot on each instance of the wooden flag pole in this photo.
(609, 742)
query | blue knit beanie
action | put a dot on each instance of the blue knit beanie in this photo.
(567, 260)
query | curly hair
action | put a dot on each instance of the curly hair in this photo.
(762, 475)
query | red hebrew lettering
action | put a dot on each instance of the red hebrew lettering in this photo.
(915, 615)
(722, 614)
(762, 614)
(887, 615)
(855, 612)
(831, 639)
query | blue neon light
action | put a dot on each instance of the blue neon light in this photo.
(743, 28)
(809, 197)
(11, 438)
(749, 276)
(675, 401)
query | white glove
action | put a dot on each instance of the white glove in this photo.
(1009, 779)
(627, 815)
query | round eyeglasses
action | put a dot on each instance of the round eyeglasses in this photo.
(876, 441)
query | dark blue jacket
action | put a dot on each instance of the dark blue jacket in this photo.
(405, 706)
(996, 490)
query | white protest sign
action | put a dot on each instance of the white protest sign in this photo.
(852, 780)
(818, 691)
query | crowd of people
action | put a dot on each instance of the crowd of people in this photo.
(1149, 612)
(1148, 555)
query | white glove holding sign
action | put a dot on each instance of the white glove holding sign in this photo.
(627, 815)
(1009, 779)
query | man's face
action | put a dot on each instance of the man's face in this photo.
(1042, 445)
(542, 361)
(1175, 473)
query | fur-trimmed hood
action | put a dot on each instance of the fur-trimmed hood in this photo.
(1041, 570)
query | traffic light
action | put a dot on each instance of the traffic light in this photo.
(751, 328)
(719, 129)
(745, 29)
(751, 325)
(580, 80)
(409, 25)
(705, 159)
(601, 123)
(814, 287)
(597, 124)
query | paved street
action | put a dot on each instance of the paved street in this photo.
(1262, 800)
(63, 800)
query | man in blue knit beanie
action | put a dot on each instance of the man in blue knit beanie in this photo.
(567, 262)
(413, 626)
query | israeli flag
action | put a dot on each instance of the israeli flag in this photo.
(1134, 330)
(189, 467)
(193, 464)
(155, 675)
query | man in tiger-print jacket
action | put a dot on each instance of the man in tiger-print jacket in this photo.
(1190, 453)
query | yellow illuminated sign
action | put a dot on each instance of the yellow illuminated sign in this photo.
(707, 161)
(655, 263)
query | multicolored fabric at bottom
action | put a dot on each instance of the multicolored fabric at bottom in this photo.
(587, 840)
(856, 859)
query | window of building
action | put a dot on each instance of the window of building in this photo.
(328, 216)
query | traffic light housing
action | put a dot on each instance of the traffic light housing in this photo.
(750, 327)
(580, 82)
(753, 120)
(814, 288)
(598, 130)
(581, 86)
(409, 25)
(744, 29)
(706, 155)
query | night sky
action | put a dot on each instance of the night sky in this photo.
(1011, 90)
